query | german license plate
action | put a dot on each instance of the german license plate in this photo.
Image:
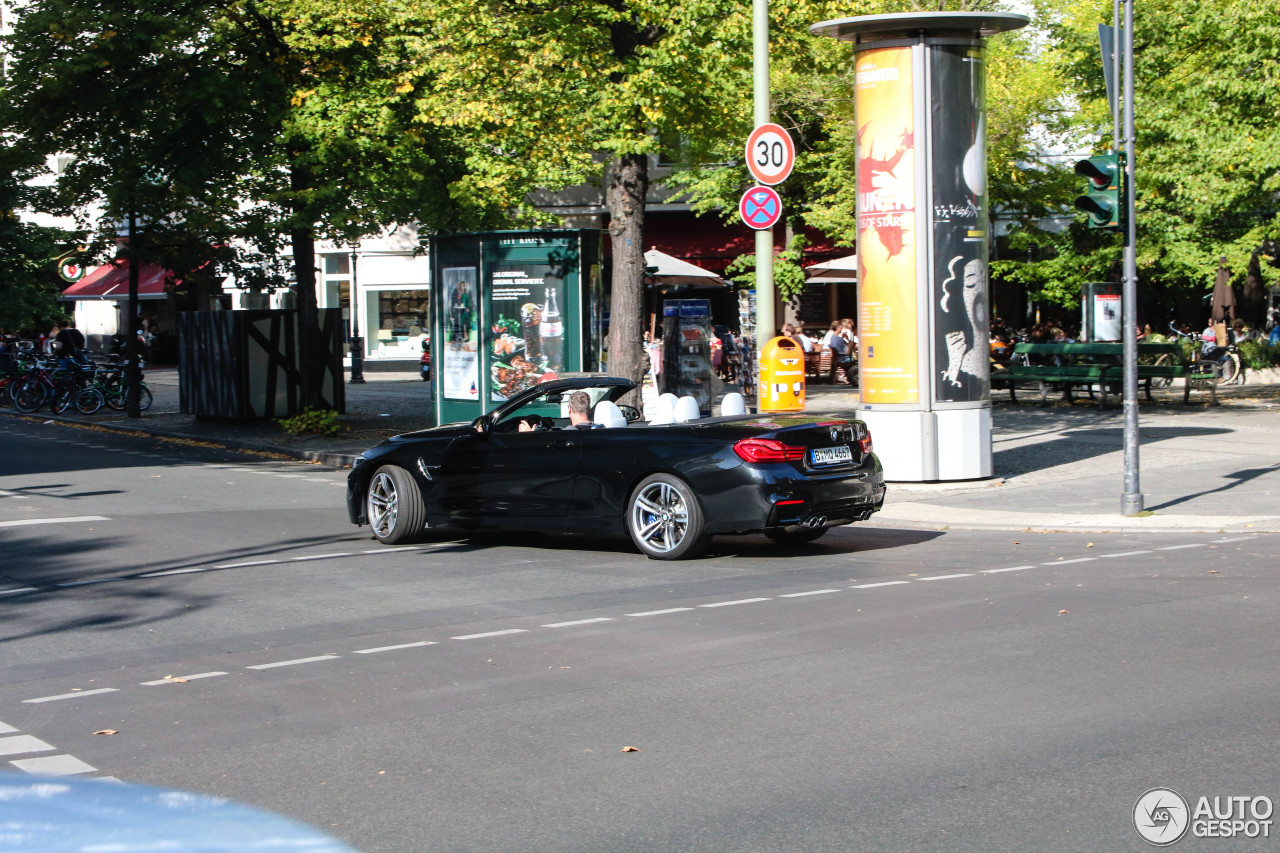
(830, 455)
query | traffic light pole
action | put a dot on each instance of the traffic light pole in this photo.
(1131, 500)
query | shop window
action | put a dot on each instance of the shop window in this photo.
(401, 323)
(337, 265)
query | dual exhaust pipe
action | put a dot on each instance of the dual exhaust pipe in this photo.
(821, 520)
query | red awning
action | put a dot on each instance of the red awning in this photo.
(111, 282)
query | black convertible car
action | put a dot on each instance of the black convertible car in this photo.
(671, 486)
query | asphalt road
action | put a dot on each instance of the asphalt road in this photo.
(882, 690)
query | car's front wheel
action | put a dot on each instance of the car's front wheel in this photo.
(393, 506)
(665, 520)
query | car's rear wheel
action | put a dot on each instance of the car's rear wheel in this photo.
(795, 537)
(393, 506)
(665, 520)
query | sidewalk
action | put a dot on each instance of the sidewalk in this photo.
(1201, 468)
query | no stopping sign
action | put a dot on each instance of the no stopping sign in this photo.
(760, 207)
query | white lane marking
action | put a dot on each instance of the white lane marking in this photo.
(320, 556)
(1220, 541)
(1201, 544)
(65, 520)
(1010, 569)
(1065, 562)
(945, 577)
(249, 563)
(4, 494)
(175, 680)
(18, 590)
(19, 744)
(874, 585)
(1131, 553)
(176, 572)
(578, 622)
(292, 662)
(491, 634)
(293, 476)
(75, 695)
(5, 728)
(731, 603)
(90, 582)
(661, 612)
(54, 765)
(810, 592)
(389, 550)
(393, 648)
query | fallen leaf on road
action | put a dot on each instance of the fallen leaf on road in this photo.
(630, 749)
(106, 732)
(1213, 571)
(1090, 545)
(1063, 612)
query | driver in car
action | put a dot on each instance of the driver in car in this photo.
(579, 413)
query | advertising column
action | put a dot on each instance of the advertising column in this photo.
(922, 238)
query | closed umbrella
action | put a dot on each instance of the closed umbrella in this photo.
(1224, 297)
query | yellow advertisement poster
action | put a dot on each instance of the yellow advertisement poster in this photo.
(887, 336)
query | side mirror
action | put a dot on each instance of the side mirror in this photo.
(481, 425)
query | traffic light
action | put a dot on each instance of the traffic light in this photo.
(1103, 198)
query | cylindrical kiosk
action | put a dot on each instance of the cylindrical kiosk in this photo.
(923, 332)
(781, 376)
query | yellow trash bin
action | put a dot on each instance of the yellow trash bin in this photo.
(781, 376)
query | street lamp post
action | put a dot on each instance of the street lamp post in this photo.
(357, 342)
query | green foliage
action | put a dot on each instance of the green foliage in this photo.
(312, 422)
(1259, 354)
(788, 274)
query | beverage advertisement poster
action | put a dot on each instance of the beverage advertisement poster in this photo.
(961, 331)
(887, 229)
(460, 372)
(525, 337)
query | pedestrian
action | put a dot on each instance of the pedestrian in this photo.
(839, 347)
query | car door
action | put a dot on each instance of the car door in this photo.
(502, 476)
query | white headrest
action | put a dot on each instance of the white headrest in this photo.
(608, 415)
(733, 404)
(687, 410)
(666, 410)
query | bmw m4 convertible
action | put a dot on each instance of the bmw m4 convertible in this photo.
(670, 483)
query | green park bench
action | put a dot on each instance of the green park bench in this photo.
(1098, 368)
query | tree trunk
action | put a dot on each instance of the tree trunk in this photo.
(302, 241)
(628, 186)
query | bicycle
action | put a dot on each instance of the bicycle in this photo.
(59, 388)
(1222, 362)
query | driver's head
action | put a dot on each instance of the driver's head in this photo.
(579, 404)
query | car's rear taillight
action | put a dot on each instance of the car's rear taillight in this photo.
(864, 439)
(767, 450)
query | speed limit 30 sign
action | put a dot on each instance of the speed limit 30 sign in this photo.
(770, 154)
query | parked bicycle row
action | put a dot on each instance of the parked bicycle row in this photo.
(30, 381)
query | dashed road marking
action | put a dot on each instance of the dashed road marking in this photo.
(732, 603)
(661, 612)
(176, 572)
(1010, 569)
(1126, 554)
(249, 563)
(21, 744)
(578, 622)
(320, 556)
(945, 577)
(54, 765)
(76, 695)
(73, 519)
(20, 589)
(394, 648)
(180, 678)
(491, 634)
(1068, 562)
(881, 583)
(810, 592)
(294, 662)
(90, 582)
(4, 494)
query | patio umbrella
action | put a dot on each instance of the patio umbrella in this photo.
(1224, 298)
(838, 271)
(663, 269)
